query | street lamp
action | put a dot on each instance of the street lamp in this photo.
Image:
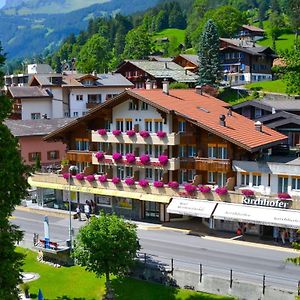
(72, 170)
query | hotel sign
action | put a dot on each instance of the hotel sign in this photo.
(259, 201)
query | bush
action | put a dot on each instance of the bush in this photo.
(178, 86)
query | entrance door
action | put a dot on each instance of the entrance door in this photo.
(266, 232)
(282, 184)
(151, 210)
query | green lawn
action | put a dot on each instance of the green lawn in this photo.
(276, 86)
(74, 283)
(234, 97)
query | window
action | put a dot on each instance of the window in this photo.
(245, 179)
(103, 147)
(182, 151)
(81, 166)
(282, 184)
(217, 151)
(133, 105)
(144, 106)
(221, 179)
(158, 174)
(53, 155)
(120, 148)
(95, 98)
(121, 172)
(158, 125)
(34, 155)
(190, 175)
(222, 152)
(212, 177)
(148, 125)
(88, 82)
(158, 150)
(182, 176)
(35, 116)
(128, 171)
(295, 183)
(128, 124)
(66, 114)
(128, 148)
(107, 125)
(212, 151)
(119, 124)
(103, 200)
(192, 151)
(181, 126)
(256, 179)
(149, 173)
(79, 97)
(75, 114)
(82, 144)
(257, 113)
(102, 169)
(148, 149)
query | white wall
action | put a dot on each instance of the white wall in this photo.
(42, 106)
(57, 102)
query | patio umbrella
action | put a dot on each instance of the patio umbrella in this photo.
(40, 295)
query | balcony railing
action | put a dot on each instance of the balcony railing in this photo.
(170, 139)
(79, 156)
(213, 164)
(173, 163)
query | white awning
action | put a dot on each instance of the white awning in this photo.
(258, 215)
(191, 207)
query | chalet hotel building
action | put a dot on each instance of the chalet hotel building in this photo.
(161, 154)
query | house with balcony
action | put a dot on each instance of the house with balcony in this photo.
(252, 33)
(188, 61)
(164, 154)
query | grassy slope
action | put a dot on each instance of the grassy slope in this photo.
(76, 283)
(276, 86)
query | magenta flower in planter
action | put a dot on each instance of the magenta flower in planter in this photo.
(130, 133)
(247, 192)
(163, 160)
(79, 176)
(189, 188)
(116, 132)
(130, 157)
(161, 134)
(144, 133)
(117, 156)
(158, 184)
(145, 159)
(90, 178)
(67, 175)
(129, 181)
(221, 191)
(102, 178)
(143, 182)
(99, 155)
(173, 184)
(102, 131)
(116, 180)
(284, 196)
(204, 189)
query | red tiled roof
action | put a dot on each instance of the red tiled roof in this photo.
(205, 111)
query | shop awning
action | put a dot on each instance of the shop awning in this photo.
(191, 207)
(155, 198)
(258, 215)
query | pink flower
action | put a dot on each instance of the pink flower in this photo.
(116, 132)
(144, 133)
(99, 155)
(102, 178)
(158, 184)
(204, 189)
(90, 178)
(173, 184)
(129, 181)
(117, 156)
(116, 180)
(163, 159)
(189, 188)
(161, 134)
(143, 182)
(284, 196)
(67, 175)
(130, 157)
(221, 191)
(145, 159)
(130, 133)
(79, 176)
(247, 193)
(102, 131)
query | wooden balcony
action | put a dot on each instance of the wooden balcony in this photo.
(213, 164)
(171, 139)
(79, 156)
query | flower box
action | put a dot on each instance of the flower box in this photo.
(144, 134)
(99, 155)
(221, 191)
(163, 160)
(116, 132)
(158, 184)
(189, 188)
(129, 181)
(90, 178)
(130, 157)
(204, 189)
(102, 131)
(130, 133)
(116, 180)
(117, 156)
(161, 134)
(248, 193)
(284, 196)
(143, 182)
(102, 178)
(145, 159)
(173, 184)
(67, 175)
(79, 176)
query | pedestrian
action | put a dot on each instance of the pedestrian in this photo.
(276, 234)
(291, 235)
(78, 212)
(92, 207)
(87, 210)
(282, 235)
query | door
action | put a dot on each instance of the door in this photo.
(151, 210)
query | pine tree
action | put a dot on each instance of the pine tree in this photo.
(209, 62)
(13, 186)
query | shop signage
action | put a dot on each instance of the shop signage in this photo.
(259, 201)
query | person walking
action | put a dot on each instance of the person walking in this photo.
(87, 210)
(282, 235)
(78, 212)
(276, 234)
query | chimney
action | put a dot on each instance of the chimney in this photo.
(165, 85)
(222, 120)
(94, 73)
(229, 113)
(199, 89)
(258, 126)
(148, 85)
(273, 110)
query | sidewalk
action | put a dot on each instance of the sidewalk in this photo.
(189, 227)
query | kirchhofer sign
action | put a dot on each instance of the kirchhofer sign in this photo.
(259, 201)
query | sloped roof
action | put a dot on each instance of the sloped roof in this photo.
(202, 110)
(193, 58)
(253, 28)
(39, 127)
(28, 92)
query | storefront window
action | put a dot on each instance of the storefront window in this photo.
(151, 210)
(256, 179)
(296, 183)
(103, 201)
(125, 203)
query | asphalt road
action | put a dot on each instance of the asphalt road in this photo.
(218, 256)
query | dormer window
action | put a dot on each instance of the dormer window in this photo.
(88, 82)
